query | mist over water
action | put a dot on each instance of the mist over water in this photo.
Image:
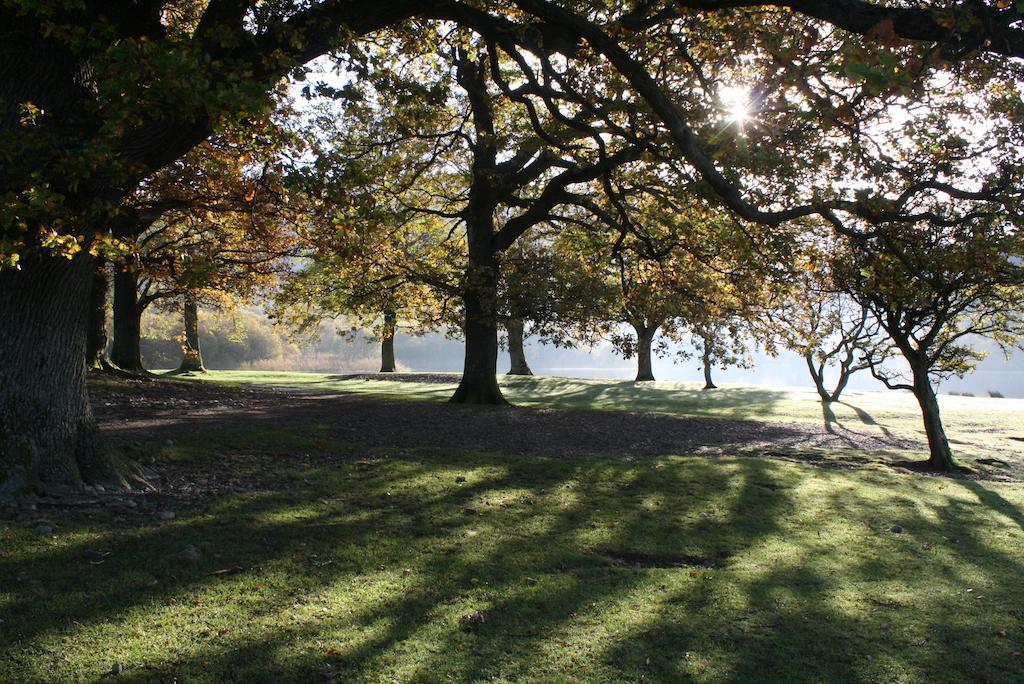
(995, 374)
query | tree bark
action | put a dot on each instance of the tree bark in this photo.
(192, 355)
(48, 437)
(96, 339)
(818, 376)
(706, 359)
(940, 456)
(644, 340)
(516, 351)
(387, 343)
(844, 378)
(479, 384)
(126, 351)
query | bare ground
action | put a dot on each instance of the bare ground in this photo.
(157, 409)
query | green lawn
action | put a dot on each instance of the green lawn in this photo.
(425, 565)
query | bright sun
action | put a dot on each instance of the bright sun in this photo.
(736, 104)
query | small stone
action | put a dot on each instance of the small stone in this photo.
(169, 442)
(469, 511)
(460, 479)
(165, 515)
(895, 529)
(191, 553)
(115, 669)
(44, 529)
(100, 488)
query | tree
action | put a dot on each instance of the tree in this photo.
(216, 221)
(933, 288)
(525, 293)
(192, 355)
(379, 278)
(96, 100)
(96, 342)
(721, 343)
(410, 159)
(832, 332)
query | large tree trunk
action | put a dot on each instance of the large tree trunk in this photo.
(387, 343)
(96, 335)
(707, 363)
(516, 352)
(644, 339)
(192, 355)
(940, 456)
(126, 351)
(48, 438)
(479, 384)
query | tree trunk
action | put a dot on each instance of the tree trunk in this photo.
(126, 351)
(387, 343)
(48, 437)
(940, 456)
(479, 384)
(192, 355)
(844, 378)
(96, 336)
(706, 359)
(818, 376)
(644, 340)
(516, 352)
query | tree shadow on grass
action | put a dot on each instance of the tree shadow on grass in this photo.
(867, 419)
(530, 569)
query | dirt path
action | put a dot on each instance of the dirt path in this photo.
(142, 411)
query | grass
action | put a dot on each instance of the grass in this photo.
(977, 427)
(380, 565)
(439, 566)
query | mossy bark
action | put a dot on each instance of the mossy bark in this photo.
(48, 437)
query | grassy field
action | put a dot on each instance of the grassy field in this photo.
(978, 427)
(376, 565)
